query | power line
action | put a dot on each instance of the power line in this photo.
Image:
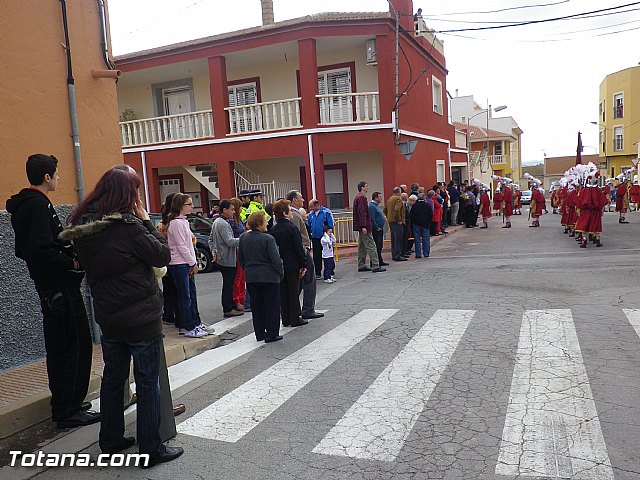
(532, 22)
(503, 9)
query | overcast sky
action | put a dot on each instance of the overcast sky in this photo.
(548, 74)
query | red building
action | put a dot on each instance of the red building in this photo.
(308, 103)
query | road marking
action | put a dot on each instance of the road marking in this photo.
(237, 413)
(552, 427)
(377, 425)
(633, 315)
(227, 324)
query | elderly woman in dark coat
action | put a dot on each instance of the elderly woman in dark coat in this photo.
(294, 259)
(263, 270)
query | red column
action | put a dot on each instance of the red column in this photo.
(309, 82)
(219, 96)
(386, 76)
(226, 181)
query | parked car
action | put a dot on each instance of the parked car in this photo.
(526, 197)
(201, 228)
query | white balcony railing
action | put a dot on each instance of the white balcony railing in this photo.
(170, 128)
(349, 108)
(265, 116)
(497, 159)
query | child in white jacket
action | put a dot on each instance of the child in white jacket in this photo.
(328, 241)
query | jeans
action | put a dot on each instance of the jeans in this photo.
(317, 255)
(309, 288)
(329, 267)
(67, 341)
(423, 241)
(146, 364)
(266, 309)
(397, 240)
(378, 238)
(366, 246)
(228, 277)
(187, 297)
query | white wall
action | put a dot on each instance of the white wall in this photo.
(365, 166)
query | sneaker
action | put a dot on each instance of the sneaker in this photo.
(182, 331)
(318, 277)
(167, 322)
(334, 278)
(207, 328)
(195, 333)
(328, 280)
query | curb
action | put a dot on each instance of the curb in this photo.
(29, 411)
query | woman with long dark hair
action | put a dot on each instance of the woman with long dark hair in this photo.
(170, 312)
(118, 246)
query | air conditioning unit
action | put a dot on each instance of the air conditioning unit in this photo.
(372, 52)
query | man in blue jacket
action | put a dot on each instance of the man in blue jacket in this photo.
(378, 221)
(318, 218)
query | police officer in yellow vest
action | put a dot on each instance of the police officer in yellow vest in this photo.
(244, 198)
(255, 204)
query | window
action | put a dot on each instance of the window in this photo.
(436, 86)
(618, 139)
(498, 148)
(603, 111)
(244, 120)
(618, 102)
(335, 109)
(440, 171)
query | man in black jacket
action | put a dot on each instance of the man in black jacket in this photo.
(57, 275)
(421, 216)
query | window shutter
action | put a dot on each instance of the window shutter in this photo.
(239, 96)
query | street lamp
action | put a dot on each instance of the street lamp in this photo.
(485, 110)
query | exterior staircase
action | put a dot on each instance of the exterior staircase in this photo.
(207, 176)
(248, 180)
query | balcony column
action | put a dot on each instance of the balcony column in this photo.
(386, 76)
(219, 96)
(308, 62)
(226, 180)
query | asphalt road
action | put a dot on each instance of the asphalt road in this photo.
(507, 354)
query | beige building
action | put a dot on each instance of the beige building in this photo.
(36, 114)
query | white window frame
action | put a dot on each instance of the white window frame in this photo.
(441, 178)
(330, 108)
(618, 140)
(616, 96)
(436, 94)
(250, 123)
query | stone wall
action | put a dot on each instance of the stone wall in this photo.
(21, 336)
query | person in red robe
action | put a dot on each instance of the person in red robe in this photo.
(437, 215)
(485, 208)
(538, 204)
(572, 215)
(507, 196)
(607, 194)
(497, 201)
(634, 191)
(590, 201)
(622, 200)
(562, 207)
(517, 202)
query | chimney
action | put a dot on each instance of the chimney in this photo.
(267, 12)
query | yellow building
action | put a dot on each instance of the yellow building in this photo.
(619, 119)
(36, 114)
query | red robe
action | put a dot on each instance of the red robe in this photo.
(538, 203)
(517, 203)
(562, 202)
(497, 201)
(635, 193)
(508, 202)
(622, 198)
(485, 205)
(572, 215)
(590, 201)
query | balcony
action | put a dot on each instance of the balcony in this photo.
(497, 159)
(349, 108)
(170, 128)
(265, 116)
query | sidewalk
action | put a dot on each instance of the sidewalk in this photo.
(352, 250)
(24, 391)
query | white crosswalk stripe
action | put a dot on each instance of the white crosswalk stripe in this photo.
(236, 414)
(552, 427)
(377, 425)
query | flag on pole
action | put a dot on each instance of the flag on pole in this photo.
(579, 150)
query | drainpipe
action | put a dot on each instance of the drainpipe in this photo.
(72, 106)
(312, 168)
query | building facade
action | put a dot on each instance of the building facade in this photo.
(306, 104)
(619, 120)
(36, 116)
